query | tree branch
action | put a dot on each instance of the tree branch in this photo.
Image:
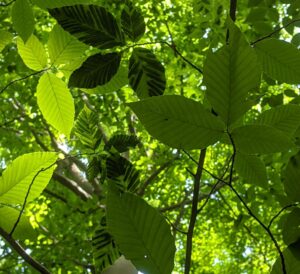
(189, 240)
(20, 250)
(279, 212)
(6, 4)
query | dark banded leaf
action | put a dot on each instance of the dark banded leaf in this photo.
(132, 22)
(141, 232)
(97, 70)
(178, 121)
(91, 24)
(229, 75)
(146, 74)
(122, 142)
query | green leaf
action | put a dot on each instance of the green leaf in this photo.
(91, 24)
(146, 74)
(87, 128)
(291, 180)
(132, 22)
(229, 75)
(19, 175)
(122, 142)
(105, 251)
(22, 19)
(50, 4)
(8, 218)
(280, 60)
(291, 227)
(56, 103)
(122, 173)
(252, 169)
(63, 47)
(285, 118)
(143, 235)
(98, 69)
(291, 258)
(118, 81)
(179, 122)
(5, 38)
(33, 53)
(260, 139)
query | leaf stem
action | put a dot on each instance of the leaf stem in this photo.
(189, 240)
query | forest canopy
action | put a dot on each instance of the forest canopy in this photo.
(150, 137)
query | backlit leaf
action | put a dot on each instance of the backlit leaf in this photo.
(178, 122)
(56, 103)
(5, 38)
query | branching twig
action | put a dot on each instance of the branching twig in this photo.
(189, 240)
(21, 79)
(274, 32)
(6, 4)
(279, 212)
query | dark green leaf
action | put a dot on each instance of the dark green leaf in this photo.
(260, 139)
(179, 122)
(291, 180)
(98, 69)
(146, 74)
(91, 24)
(122, 142)
(291, 227)
(143, 235)
(133, 23)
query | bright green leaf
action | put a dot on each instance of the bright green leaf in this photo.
(260, 139)
(118, 81)
(280, 60)
(22, 18)
(18, 177)
(91, 24)
(252, 169)
(50, 4)
(146, 74)
(5, 38)
(291, 227)
(291, 180)
(133, 23)
(178, 122)
(97, 70)
(33, 53)
(229, 75)
(56, 103)
(143, 235)
(285, 118)
(63, 47)
(8, 218)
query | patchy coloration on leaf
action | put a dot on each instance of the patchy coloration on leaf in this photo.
(252, 169)
(32, 53)
(141, 232)
(280, 60)
(122, 142)
(22, 18)
(97, 70)
(132, 22)
(229, 75)
(5, 38)
(56, 103)
(291, 179)
(178, 122)
(146, 74)
(285, 118)
(8, 218)
(91, 24)
(63, 47)
(18, 177)
(50, 4)
(260, 139)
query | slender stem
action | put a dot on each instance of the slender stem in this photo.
(21, 251)
(189, 240)
(279, 212)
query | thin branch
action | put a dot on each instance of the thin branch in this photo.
(175, 227)
(26, 196)
(189, 240)
(21, 79)
(6, 4)
(21, 251)
(279, 212)
(275, 31)
(233, 4)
